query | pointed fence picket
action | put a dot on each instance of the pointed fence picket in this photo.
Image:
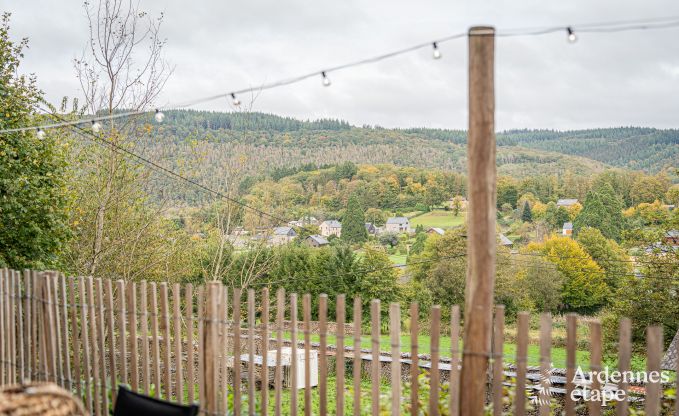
(90, 335)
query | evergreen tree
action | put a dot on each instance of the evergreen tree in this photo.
(418, 245)
(608, 255)
(602, 210)
(33, 197)
(353, 224)
(526, 215)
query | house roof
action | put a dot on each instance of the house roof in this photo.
(319, 239)
(505, 241)
(332, 223)
(397, 220)
(288, 231)
(437, 230)
(566, 202)
(567, 225)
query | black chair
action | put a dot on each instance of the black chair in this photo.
(130, 403)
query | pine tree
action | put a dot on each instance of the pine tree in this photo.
(353, 225)
(602, 210)
(526, 215)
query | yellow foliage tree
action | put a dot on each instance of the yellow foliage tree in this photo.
(584, 288)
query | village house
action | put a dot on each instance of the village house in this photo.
(283, 235)
(370, 228)
(398, 225)
(567, 230)
(331, 227)
(303, 221)
(436, 230)
(505, 241)
(567, 202)
(316, 241)
(671, 238)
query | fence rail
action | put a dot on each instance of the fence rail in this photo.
(222, 349)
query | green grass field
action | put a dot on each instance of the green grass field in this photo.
(438, 218)
(558, 354)
(398, 258)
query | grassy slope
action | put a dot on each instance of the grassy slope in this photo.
(441, 219)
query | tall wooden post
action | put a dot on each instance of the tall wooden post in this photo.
(210, 360)
(481, 221)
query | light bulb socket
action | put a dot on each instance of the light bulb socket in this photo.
(571, 34)
(326, 80)
(437, 52)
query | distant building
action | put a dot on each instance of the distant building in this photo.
(505, 241)
(567, 202)
(303, 221)
(398, 225)
(671, 237)
(331, 227)
(316, 241)
(436, 230)
(283, 235)
(567, 229)
(239, 231)
(370, 228)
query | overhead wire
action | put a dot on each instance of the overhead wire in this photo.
(601, 27)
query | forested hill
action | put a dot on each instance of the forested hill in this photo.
(628, 147)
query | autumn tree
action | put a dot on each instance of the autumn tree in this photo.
(381, 279)
(650, 299)
(607, 254)
(584, 287)
(33, 199)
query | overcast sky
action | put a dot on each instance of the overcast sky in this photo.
(602, 80)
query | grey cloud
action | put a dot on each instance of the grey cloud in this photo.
(542, 82)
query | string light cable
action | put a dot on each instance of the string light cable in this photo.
(170, 173)
(571, 31)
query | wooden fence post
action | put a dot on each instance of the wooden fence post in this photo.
(624, 361)
(434, 373)
(595, 356)
(395, 332)
(375, 349)
(521, 357)
(654, 347)
(544, 396)
(210, 333)
(498, 374)
(481, 220)
(414, 359)
(571, 346)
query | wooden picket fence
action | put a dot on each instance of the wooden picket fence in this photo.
(203, 344)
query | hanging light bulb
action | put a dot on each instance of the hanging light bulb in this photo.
(326, 80)
(159, 116)
(571, 35)
(41, 134)
(96, 126)
(437, 52)
(235, 100)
